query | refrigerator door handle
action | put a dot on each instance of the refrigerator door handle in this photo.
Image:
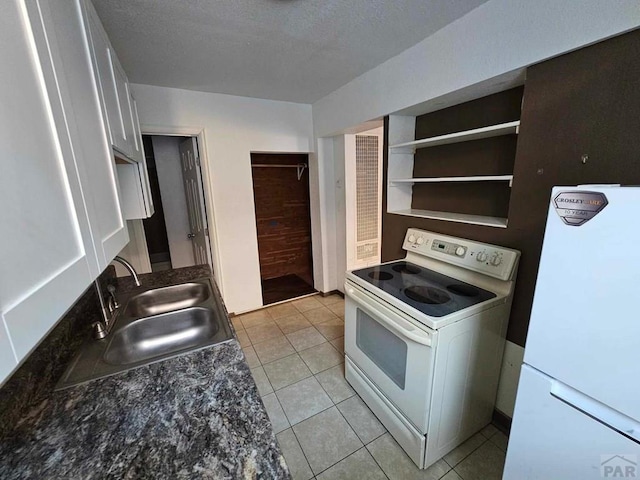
(600, 412)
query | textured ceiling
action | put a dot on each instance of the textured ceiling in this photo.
(292, 50)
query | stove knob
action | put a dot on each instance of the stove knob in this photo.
(481, 257)
(420, 241)
(460, 251)
(412, 238)
(496, 260)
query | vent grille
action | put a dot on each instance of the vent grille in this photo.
(366, 190)
(366, 250)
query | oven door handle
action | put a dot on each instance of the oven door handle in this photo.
(400, 326)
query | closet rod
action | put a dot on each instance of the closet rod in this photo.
(300, 167)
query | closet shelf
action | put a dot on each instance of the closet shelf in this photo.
(464, 136)
(497, 222)
(477, 178)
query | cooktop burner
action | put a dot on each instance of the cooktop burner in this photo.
(404, 267)
(430, 295)
(380, 275)
(464, 289)
(429, 292)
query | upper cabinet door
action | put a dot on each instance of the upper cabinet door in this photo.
(47, 256)
(119, 78)
(144, 173)
(109, 76)
(68, 48)
(137, 153)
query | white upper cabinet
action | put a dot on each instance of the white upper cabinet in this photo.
(108, 74)
(126, 132)
(138, 150)
(47, 254)
(120, 118)
(136, 196)
(63, 219)
(113, 86)
(68, 49)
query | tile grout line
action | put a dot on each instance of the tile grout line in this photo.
(364, 445)
(333, 404)
(374, 458)
(466, 456)
(353, 428)
(302, 449)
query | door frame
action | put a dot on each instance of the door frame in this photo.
(205, 170)
(312, 224)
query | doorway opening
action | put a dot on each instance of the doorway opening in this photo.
(177, 234)
(283, 224)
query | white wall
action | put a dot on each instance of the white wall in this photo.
(499, 37)
(233, 127)
(339, 158)
(509, 378)
(167, 155)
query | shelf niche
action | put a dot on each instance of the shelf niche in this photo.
(460, 168)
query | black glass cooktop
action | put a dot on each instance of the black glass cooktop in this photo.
(430, 292)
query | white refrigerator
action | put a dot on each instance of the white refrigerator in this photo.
(577, 413)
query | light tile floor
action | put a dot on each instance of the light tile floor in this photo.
(295, 352)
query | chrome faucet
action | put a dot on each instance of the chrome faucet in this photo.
(110, 310)
(129, 267)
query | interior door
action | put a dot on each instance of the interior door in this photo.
(192, 181)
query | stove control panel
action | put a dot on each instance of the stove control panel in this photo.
(489, 259)
(449, 248)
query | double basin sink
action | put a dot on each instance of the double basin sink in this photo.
(155, 324)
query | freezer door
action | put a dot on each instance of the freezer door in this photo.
(585, 323)
(555, 438)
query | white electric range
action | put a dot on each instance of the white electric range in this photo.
(424, 339)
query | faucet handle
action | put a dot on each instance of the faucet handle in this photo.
(99, 331)
(113, 302)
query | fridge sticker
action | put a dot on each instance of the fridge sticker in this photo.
(619, 466)
(577, 208)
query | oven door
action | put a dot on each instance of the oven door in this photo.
(392, 351)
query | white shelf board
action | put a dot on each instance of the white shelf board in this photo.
(497, 222)
(477, 178)
(465, 136)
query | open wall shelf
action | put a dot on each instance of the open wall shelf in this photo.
(477, 178)
(483, 220)
(401, 179)
(508, 128)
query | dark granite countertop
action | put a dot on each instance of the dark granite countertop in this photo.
(198, 415)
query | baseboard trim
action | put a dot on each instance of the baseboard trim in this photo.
(332, 292)
(502, 421)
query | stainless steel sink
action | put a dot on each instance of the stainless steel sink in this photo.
(167, 299)
(155, 324)
(159, 335)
